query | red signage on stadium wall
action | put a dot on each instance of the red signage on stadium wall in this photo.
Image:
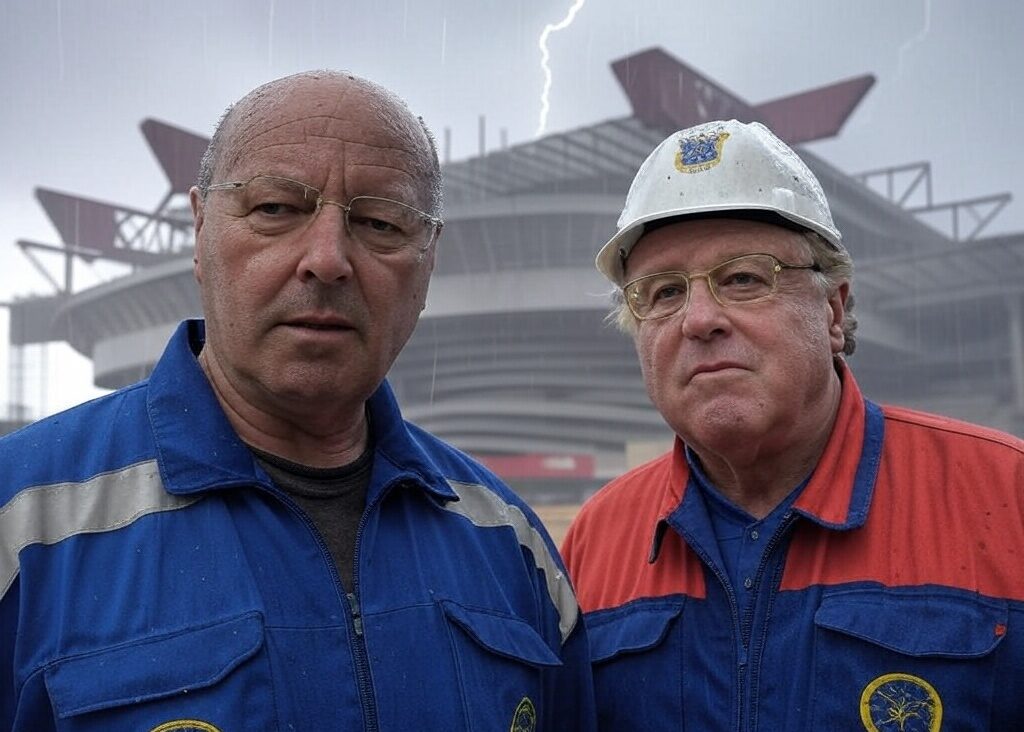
(576, 465)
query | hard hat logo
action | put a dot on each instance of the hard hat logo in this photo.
(698, 153)
(745, 170)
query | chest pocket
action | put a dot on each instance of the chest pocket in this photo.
(638, 661)
(500, 662)
(907, 659)
(211, 678)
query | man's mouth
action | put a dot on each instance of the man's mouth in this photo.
(711, 368)
(323, 324)
(320, 326)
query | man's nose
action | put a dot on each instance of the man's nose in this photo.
(327, 246)
(704, 315)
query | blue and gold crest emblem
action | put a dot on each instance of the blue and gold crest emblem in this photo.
(900, 703)
(525, 717)
(698, 153)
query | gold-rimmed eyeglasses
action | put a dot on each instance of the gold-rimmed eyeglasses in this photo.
(276, 206)
(736, 281)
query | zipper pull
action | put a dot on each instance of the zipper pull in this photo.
(357, 618)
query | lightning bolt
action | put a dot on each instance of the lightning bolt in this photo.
(545, 57)
(922, 34)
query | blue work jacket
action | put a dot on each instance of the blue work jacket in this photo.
(153, 578)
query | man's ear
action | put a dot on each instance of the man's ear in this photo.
(837, 316)
(195, 200)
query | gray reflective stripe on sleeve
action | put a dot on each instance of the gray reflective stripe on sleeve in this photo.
(49, 513)
(484, 507)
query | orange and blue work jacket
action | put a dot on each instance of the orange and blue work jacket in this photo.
(891, 596)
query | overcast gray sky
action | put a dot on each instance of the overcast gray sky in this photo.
(79, 77)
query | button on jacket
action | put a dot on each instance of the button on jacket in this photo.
(153, 578)
(891, 597)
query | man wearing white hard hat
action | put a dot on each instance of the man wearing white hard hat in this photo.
(802, 559)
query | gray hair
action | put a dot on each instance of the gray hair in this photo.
(836, 268)
(390, 110)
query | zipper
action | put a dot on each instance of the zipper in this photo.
(766, 557)
(744, 624)
(349, 599)
(359, 652)
(736, 624)
(357, 618)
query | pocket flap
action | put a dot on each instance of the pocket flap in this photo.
(153, 668)
(630, 629)
(916, 623)
(502, 634)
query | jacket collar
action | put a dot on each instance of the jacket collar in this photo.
(199, 450)
(838, 494)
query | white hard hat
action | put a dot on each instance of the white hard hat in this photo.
(714, 167)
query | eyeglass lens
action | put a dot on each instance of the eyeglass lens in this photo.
(738, 280)
(277, 206)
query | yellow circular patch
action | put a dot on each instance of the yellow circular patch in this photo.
(900, 703)
(185, 725)
(525, 717)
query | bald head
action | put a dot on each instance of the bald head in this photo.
(336, 90)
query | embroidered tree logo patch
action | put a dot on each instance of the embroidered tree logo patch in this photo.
(900, 703)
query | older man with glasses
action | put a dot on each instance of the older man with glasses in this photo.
(803, 558)
(254, 538)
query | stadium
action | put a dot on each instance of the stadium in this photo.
(513, 360)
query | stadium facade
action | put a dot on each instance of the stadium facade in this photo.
(513, 360)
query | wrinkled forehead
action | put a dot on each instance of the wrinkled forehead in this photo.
(310, 126)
